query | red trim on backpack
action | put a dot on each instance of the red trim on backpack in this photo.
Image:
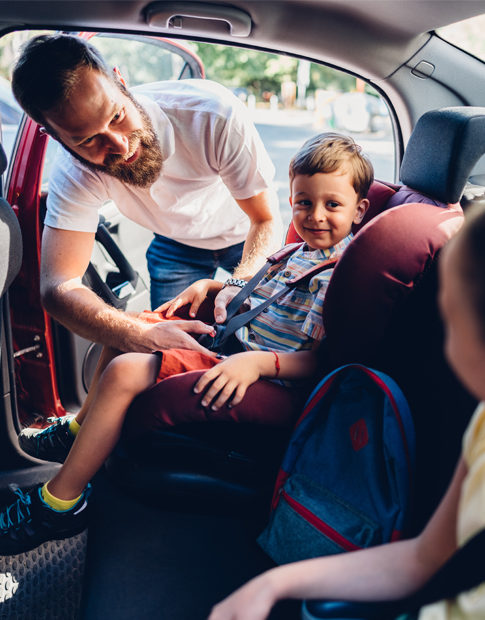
(318, 524)
(318, 396)
(280, 481)
(396, 535)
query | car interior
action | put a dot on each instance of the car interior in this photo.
(175, 516)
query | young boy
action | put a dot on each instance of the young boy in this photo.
(329, 180)
(396, 570)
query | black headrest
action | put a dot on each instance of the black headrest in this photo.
(443, 150)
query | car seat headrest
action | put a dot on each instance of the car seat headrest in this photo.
(443, 150)
(377, 273)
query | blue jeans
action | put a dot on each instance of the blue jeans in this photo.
(174, 266)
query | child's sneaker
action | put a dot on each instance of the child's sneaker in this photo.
(29, 522)
(49, 444)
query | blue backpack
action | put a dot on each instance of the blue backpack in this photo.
(346, 480)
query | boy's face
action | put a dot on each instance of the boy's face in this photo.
(325, 206)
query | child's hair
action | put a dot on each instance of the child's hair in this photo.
(472, 263)
(329, 152)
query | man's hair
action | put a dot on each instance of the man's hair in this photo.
(471, 263)
(329, 152)
(48, 69)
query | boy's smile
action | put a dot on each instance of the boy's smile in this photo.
(325, 205)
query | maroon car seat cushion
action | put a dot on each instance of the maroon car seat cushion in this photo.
(383, 263)
(173, 402)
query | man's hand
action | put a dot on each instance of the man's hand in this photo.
(176, 335)
(65, 257)
(193, 295)
(222, 301)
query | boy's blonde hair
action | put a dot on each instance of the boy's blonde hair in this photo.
(329, 152)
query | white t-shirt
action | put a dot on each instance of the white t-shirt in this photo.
(213, 155)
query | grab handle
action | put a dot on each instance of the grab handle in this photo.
(170, 15)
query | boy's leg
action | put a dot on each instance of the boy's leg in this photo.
(172, 402)
(53, 443)
(123, 379)
(57, 509)
(107, 354)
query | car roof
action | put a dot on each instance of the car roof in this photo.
(371, 38)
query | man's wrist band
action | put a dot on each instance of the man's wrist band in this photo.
(234, 282)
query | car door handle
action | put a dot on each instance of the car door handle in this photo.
(168, 15)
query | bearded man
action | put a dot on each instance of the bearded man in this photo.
(180, 158)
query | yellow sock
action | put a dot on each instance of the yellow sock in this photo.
(61, 505)
(74, 427)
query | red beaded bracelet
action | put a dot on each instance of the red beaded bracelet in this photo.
(277, 364)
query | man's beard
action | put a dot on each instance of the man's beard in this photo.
(146, 169)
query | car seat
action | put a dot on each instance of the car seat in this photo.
(10, 262)
(380, 310)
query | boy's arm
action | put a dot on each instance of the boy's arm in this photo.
(387, 572)
(238, 372)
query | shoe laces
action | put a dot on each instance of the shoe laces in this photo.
(23, 503)
(49, 432)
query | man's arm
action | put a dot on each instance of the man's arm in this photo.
(264, 238)
(65, 257)
(265, 235)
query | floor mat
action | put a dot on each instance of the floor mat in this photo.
(146, 562)
(44, 584)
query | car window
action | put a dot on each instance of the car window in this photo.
(290, 100)
(10, 113)
(142, 60)
(467, 35)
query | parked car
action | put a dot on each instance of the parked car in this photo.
(173, 527)
(10, 114)
(359, 112)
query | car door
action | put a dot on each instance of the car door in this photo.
(55, 366)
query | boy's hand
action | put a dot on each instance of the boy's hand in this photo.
(193, 295)
(234, 374)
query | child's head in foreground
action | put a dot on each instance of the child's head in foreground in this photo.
(462, 302)
(329, 181)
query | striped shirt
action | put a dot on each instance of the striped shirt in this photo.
(294, 320)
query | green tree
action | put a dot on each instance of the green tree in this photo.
(260, 71)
